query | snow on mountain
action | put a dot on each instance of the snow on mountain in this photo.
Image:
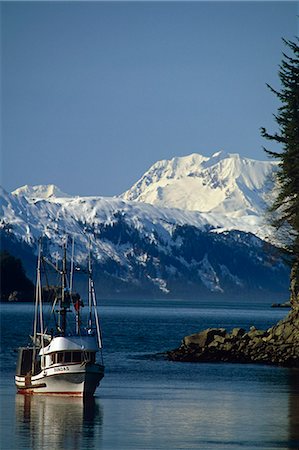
(55, 217)
(223, 183)
(197, 235)
(224, 191)
(63, 214)
(45, 191)
(141, 248)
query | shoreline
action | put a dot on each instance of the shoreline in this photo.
(278, 345)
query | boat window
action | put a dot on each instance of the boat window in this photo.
(59, 357)
(77, 356)
(68, 357)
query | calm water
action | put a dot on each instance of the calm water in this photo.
(148, 403)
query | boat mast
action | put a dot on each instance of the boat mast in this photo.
(38, 308)
(63, 305)
(89, 286)
(77, 302)
(37, 294)
(72, 267)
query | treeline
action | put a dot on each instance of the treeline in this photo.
(14, 284)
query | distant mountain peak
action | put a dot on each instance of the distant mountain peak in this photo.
(223, 183)
(40, 191)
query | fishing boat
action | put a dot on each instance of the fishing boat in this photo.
(65, 354)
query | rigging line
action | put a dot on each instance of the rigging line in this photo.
(55, 293)
(44, 271)
(72, 266)
(36, 305)
(89, 283)
(55, 267)
(59, 272)
(50, 294)
(99, 333)
(41, 318)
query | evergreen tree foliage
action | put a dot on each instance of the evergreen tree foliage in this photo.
(286, 205)
(13, 278)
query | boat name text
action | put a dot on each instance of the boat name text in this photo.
(61, 369)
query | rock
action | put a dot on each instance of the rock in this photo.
(13, 296)
(283, 330)
(256, 342)
(268, 337)
(217, 341)
(278, 345)
(204, 337)
(228, 347)
(254, 333)
(237, 332)
(290, 339)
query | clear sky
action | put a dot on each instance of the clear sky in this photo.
(93, 93)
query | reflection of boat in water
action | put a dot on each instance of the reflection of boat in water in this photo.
(65, 356)
(73, 424)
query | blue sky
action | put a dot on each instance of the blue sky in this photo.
(93, 93)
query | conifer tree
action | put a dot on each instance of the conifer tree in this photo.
(13, 277)
(286, 204)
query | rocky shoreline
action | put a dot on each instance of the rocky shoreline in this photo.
(279, 345)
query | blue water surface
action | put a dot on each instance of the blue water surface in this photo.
(147, 402)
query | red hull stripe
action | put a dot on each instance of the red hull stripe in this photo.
(30, 392)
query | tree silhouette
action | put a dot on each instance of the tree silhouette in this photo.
(286, 204)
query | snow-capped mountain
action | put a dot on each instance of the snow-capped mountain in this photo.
(143, 249)
(44, 191)
(223, 183)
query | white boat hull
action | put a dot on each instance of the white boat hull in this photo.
(73, 380)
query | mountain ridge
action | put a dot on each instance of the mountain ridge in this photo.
(39, 191)
(146, 248)
(223, 183)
